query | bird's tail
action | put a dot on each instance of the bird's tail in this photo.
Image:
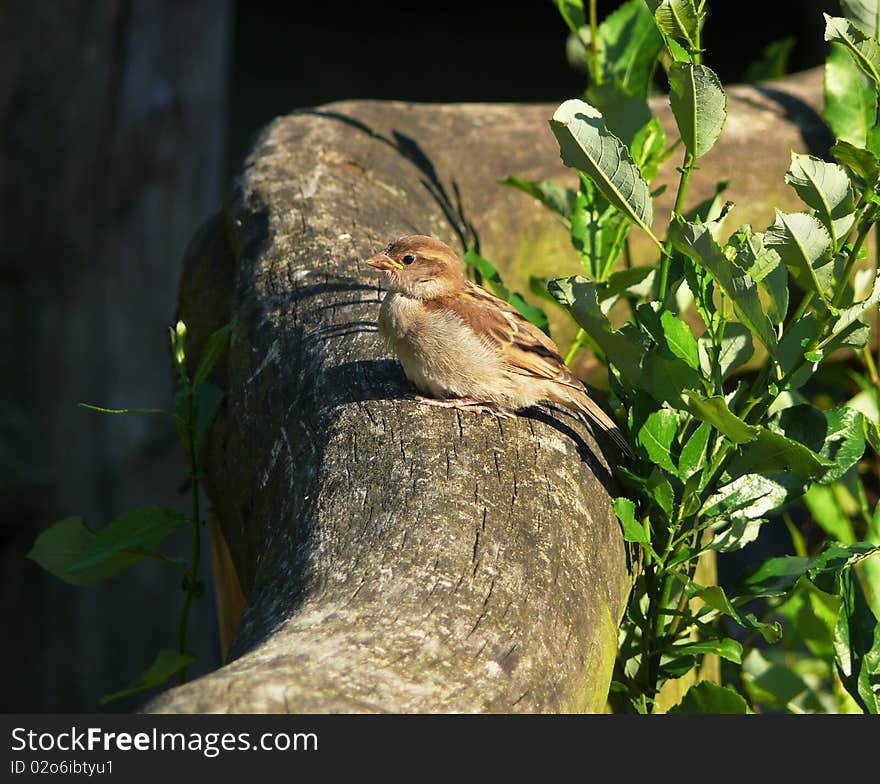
(585, 404)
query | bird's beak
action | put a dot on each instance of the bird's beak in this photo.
(383, 261)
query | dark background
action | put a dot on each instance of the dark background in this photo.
(121, 124)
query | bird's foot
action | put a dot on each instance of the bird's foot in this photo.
(471, 404)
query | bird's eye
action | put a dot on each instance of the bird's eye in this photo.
(408, 259)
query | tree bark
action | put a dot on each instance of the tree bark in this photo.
(398, 558)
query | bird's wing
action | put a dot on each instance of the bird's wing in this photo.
(524, 348)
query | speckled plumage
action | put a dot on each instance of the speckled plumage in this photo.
(458, 342)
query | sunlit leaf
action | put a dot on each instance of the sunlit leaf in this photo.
(826, 188)
(696, 241)
(861, 162)
(708, 697)
(628, 43)
(835, 435)
(777, 576)
(771, 452)
(805, 247)
(677, 19)
(765, 267)
(857, 645)
(715, 411)
(850, 104)
(693, 451)
(864, 49)
(657, 435)
(726, 648)
(863, 13)
(586, 145)
(699, 105)
(633, 530)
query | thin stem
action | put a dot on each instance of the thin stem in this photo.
(697, 53)
(575, 346)
(686, 169)
(876, 309)
(193, 577)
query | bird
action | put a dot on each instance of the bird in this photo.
(462, 347)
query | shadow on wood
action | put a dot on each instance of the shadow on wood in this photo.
(396, 558)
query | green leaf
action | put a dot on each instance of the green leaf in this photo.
(629, 43)
(707, 697)
(491, 279)
(128, 537)
(850, 315)
(771, 452)
(680, 340)
(804, 245)
(580, 296)
(734, 533)
(778, 576)
(864, 49)
(696, 242)
(657, 435)
(556, 198)
(216, 348)
(166, 664)
(572, 13)
(826, 188)
(857, 645)
(811, 615)
(63, 544)
(714, 410)
(861, 162)
(633, 530)
(726, 648)
(835, 435)
(699, 105)
(74, 553)
(790, 351)
(624, 114)
(713, 597)
(637, 282)
(782, 680)
(765, 267)
(693, 451)
(676, 18)
(661, 493)
(826, 511)
(737, 511)
(598, 231)
(772, 64)
(736, 348)
(648, 149)
(678, 52)
(850, 101)
(586, 145)
(863, 13)
(752, 496)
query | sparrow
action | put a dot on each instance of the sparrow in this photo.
(463, 347)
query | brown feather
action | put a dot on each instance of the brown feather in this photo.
(456, 339)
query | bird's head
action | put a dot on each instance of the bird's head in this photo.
(420, 267)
